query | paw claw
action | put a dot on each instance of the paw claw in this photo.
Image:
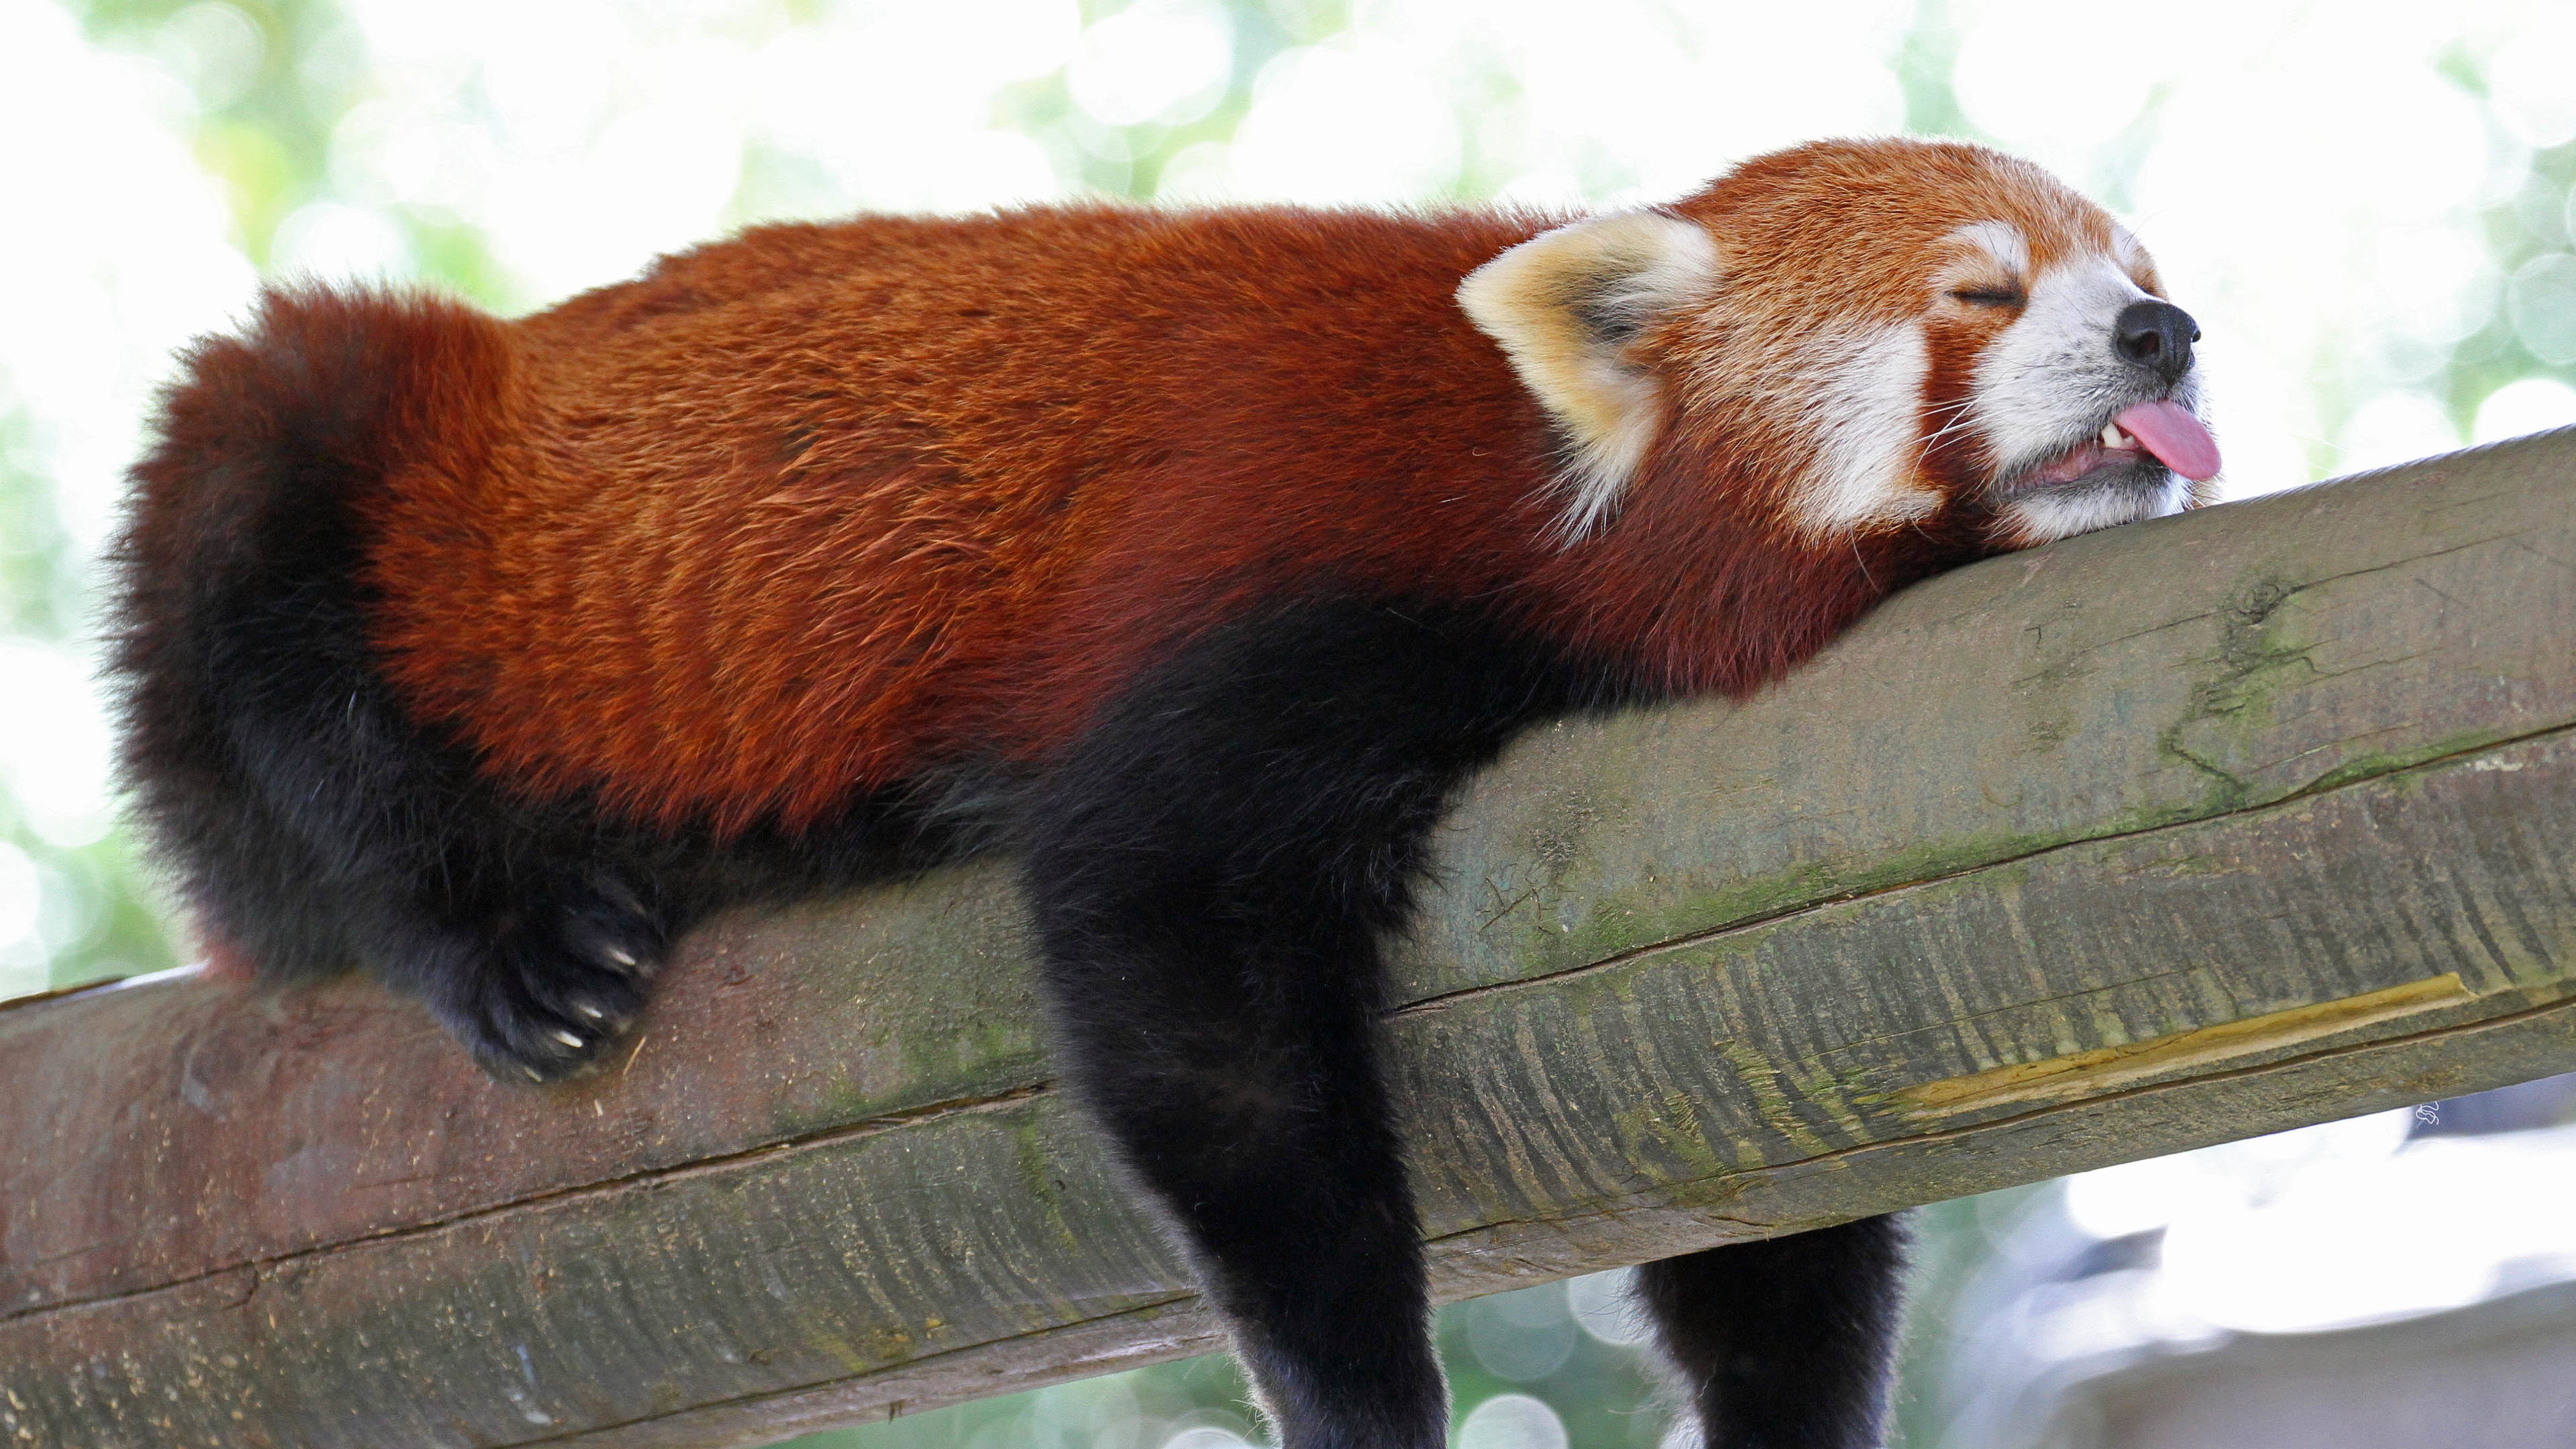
(554, 985)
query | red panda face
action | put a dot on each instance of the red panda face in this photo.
(1868, 336)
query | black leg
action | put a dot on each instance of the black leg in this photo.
(1785, 1343)
(1239, 1076)
(533, 934)
(317, 829)
(1211, 870)
(534, 951)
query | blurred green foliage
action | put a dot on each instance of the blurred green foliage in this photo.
(264, 126)
(95, 916)
(269, 141)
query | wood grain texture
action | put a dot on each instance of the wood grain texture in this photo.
(2191, 830)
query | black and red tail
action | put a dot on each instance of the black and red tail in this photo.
(310, 824)
(256, 735)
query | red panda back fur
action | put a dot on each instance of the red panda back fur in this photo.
(819, 508)
(823, 507)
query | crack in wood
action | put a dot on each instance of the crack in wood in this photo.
(827, 1137)
(2096, 1072)
(1442, 1001)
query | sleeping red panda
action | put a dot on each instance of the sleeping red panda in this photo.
(1193, 557)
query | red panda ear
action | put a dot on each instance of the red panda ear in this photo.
(1565, 305)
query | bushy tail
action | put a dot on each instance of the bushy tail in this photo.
(257, 737)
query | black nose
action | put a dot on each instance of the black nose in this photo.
(2156, 335)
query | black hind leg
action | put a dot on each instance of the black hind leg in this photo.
(1211, 870)
(531, 934)
(1785, 1343)
(533, 951)
(536, 937)
(316, 829)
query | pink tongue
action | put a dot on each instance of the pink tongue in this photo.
(2176, 438)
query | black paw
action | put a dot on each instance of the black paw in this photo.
(557, 988)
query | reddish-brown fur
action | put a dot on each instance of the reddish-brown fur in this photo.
(824, 507)
(820, 507)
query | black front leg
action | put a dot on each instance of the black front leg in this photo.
(1211, 871)
(1235, 1064)
(1785, 1343)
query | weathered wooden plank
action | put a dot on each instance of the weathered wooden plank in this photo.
(198, 1127)
(2156, 838)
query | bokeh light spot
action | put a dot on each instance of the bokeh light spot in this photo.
(20, 895)
(2534, 404)
(1524, 1335)
(2393, 428)
(215, 49)
(331, 242)
(1512, 1421)
(2541, 301)
(53, 743)
(1162, 60)
(1604, 1308)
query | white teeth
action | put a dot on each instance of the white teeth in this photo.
(2112, 437)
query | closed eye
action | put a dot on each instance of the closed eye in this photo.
(1986, 297)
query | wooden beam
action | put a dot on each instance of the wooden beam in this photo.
(2179, 833)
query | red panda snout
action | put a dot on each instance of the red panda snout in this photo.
(2089, 402)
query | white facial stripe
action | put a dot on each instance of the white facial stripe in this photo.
(2048, 382)
(2000, 240)
(1864, 411)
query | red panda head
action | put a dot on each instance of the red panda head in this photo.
(1877, 334)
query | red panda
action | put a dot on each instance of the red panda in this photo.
(1192, 557)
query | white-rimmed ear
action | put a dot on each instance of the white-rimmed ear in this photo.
(1564, 305)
